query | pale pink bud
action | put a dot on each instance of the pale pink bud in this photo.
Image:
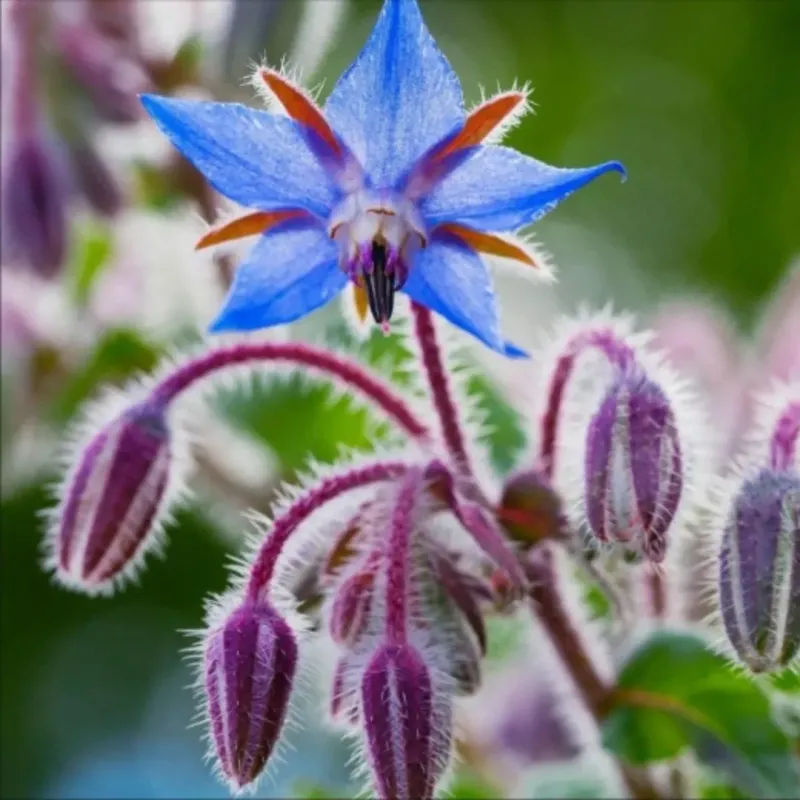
(249, 667)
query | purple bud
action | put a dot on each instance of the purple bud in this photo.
(249, 667)
(114, 500)
(633, 466)
(408, 724)
(106, 72)
(34, 199)
(95, 180)
(759, 571)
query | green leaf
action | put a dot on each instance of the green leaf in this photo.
(674, 693)
(92, 254)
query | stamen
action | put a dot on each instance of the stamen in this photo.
(255, 222)
(360, 300)
(380, 286)
(300, 107)
(489, 243)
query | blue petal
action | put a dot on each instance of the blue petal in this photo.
(292, 271)
(450, 279)
(258, 159)
(500, 189)
(398, 98)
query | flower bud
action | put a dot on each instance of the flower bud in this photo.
(759, 571)
(114, 500)
(34, 201)
(343, 705)
(408, 723)
(633, 466)
(249, 667)
(530, 510)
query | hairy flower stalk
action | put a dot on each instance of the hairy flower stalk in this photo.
(550, 609)
(339, 369)
(619, 354)
(439, 388)
(407, 717)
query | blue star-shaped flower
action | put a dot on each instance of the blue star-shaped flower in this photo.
(392, 187)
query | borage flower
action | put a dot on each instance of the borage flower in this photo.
(391, 187)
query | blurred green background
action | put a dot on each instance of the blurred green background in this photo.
(699, 99)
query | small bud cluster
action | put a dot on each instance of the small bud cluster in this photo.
(398, 560)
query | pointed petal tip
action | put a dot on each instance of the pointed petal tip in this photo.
(510, 350)
(616, 166)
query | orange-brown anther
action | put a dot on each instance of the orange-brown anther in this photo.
(300, 107)
(482, 121)
(361, 301)
(247, 225)
(487, 243)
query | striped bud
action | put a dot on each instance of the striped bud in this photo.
(249, 666)
(343, 704)
(408, 724)
(114, 500)
(759, 571)
(633, 466)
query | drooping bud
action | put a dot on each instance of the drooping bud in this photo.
(249, 666)
(530, 510)
(114, 500)
(633, 466)
(759, 571)
(34, 199)
(343, 704)
(408, 724)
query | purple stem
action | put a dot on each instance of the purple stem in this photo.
(263, 567)
(784, 438)
(348, 372)
(619, 353)
(439, 386)
(399, 546)
(548, 606)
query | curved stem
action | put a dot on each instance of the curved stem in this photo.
(548, 606)
(399, 546)
(618, 352)
(347, 372)
(439, 386)
(266, 559)
(783, 444)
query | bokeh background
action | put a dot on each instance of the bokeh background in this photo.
(698, 98)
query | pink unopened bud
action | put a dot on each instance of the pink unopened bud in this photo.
(114, 500)
(633, 469)
(408, 723)
(249, 667)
